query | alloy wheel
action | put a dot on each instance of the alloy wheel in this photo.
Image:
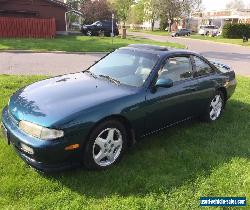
(216, 107)
(89, 33)
(107, 147)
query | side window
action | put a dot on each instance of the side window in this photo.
(201, 67)
(177, 69)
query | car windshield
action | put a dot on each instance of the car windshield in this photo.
(124, 66)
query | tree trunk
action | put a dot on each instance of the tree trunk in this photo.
(152, 25)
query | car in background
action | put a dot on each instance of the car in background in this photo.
(209, 30)
(182, 32)
(100, 28)
(92, 117)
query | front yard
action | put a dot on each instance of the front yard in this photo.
(168, 170)
(76, 44)
(221, 40)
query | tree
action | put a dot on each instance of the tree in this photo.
(122, 8)
(96, 10)
(136, 15)
(152, 11)
(236, 4)
(75, 4)
(189, 6)
(169, 11)
(176, 9)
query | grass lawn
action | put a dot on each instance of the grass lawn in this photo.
(221, 40)
(76, 44)
(169, 170)
(156, 32)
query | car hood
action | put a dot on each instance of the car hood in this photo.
(49, 101)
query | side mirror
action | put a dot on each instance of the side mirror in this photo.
(164, 83)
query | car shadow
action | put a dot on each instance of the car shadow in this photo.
(167, 160)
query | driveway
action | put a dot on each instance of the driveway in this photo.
(45, 63)
(238, 57)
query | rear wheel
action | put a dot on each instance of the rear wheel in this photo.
(106, 145)
(215, 107)
(101, 33)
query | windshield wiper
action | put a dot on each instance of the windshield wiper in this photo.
(117, 82)
(91, 73)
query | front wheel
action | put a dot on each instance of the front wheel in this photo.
(89, 33)
(215, 107)
(106, 145)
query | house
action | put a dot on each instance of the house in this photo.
(40, 9)
(220, 17)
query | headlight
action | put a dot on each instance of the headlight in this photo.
(39, 131)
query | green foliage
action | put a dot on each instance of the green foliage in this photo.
(122, 8)
(176, 9)
(152, 11)
(136, 14)
(75, 4)
(165, 171)
(236, 30)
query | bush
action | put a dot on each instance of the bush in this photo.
(236, 30)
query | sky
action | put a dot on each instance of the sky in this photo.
(218, 4)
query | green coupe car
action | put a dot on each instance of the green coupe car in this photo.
(90, 118)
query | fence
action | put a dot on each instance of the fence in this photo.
(11, 27)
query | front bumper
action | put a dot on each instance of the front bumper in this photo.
(49, 156)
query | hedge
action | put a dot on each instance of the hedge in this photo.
(236, 30)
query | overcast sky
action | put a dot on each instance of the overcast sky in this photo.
(218, 4)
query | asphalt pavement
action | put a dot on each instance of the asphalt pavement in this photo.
(27, 63)
(236, 56)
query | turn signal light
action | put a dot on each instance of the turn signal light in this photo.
(72, 147)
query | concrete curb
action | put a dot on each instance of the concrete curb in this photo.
(53, 52)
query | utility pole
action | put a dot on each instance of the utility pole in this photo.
(112, 34)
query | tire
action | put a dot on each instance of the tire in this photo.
(101, 33)
(215, 107)
(89, 33)
(188, 34)
(101, 151)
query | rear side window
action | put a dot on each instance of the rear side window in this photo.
(177, 69)
(201, 67)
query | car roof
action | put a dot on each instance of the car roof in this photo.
(159, 50)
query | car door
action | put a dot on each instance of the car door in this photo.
(182, 32)
(169, 105)
(97, 27)
(205, 75)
